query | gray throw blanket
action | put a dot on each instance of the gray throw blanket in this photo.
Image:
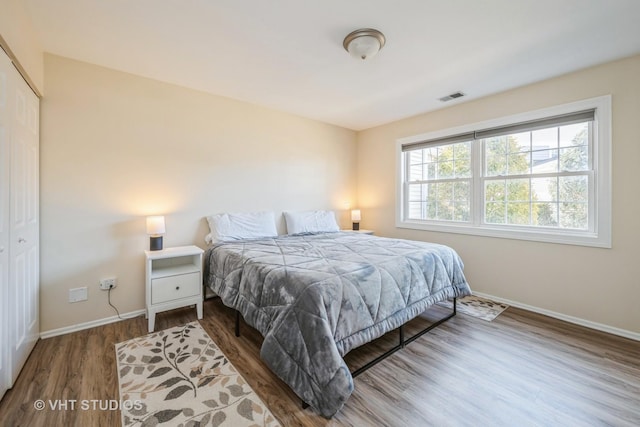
(315, 297)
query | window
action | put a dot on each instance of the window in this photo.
(543, 176)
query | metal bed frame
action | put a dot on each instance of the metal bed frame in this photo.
(402, 342)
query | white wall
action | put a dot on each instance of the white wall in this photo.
(18, 32)
(596, 285)
(116, 147)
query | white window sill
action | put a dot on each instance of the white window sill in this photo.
(565, 237)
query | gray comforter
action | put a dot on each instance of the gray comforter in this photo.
(315, 297)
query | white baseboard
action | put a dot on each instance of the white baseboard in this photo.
(576, 320)
(91, 324)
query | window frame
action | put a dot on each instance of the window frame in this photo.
(599, 233)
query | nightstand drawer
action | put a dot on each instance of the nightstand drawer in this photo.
(175, 287)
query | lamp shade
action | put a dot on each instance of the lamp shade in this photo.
(355, 215)
(364, 43)
(155, 225)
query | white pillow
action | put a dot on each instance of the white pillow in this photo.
(311, 222)
(237, 226)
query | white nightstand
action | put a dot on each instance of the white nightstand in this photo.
(360, 231)
(173, 280)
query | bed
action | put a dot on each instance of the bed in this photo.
(316, 296)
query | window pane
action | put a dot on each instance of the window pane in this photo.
(462, 150)
(445, 153)
(545, 161)
(495, 191)
(577, 134)
(431, 209)
(445, 211)
(463, 168)
(505, 156)
(430, 192)
(519, 163)
(495, 152)
(415, 192)
(545, 214)
(496, 146)
(442, 208)
(462, 211)
(445, 169)
(431, 206)
(574, 159)
(574, 215)
(496, 164)
(415, 210)
(430, 154)
(494, 213)
(518, 190)
(445, 191)
(574, 188)
(518, 213)
(444, 201)
(519, 142)
(461, 191)
(430, 170)
(415, 172)
(544, 189)
(544, 139)
(415, 157)
(462, 159)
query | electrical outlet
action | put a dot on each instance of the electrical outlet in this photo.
(109, 283)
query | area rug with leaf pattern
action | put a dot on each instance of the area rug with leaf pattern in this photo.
(476, 306)
(179, 377)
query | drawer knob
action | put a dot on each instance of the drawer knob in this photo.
(177, 288)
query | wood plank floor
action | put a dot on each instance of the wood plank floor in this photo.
(522, 369)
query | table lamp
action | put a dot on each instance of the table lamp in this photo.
(155, 229)
(355, 219)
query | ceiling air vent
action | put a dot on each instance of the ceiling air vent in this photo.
(452, 96)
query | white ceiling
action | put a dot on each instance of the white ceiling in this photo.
(288, 54)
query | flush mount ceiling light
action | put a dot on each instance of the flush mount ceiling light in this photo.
(364, 43)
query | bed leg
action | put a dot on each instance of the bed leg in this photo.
(305, 405)
(237, 323)
(401, 329)
(455, 303)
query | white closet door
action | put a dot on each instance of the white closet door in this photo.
(24, 224)
(5, 368)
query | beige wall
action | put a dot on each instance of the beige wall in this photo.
(116, 147)
(18, 31)
(596, 285)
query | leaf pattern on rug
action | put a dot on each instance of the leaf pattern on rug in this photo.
(180, 377)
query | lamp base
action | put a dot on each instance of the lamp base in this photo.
(155, 243)
(356, 226)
